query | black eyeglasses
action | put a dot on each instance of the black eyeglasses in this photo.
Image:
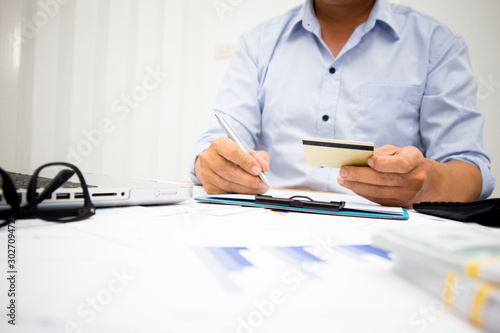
(35, 207)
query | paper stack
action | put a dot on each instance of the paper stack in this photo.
(460, 265)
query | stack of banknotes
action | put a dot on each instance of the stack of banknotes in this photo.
(460, 265)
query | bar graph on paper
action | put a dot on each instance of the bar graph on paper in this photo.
(236, 267)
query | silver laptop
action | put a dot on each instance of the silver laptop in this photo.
(107, 191)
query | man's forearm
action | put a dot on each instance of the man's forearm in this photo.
(453, 181)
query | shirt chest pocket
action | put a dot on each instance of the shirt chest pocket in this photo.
(389, 114)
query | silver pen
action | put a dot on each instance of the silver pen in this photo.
(232, 135)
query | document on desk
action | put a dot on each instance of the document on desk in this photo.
(310, 202)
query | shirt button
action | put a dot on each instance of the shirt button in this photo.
(325, 117)
(332, 70)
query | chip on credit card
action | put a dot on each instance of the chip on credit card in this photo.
(336, 153)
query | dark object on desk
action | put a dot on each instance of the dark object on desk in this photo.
(485, 212)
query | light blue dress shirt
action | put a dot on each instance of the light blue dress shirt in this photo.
(403, 79)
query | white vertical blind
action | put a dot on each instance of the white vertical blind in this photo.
(108, 85)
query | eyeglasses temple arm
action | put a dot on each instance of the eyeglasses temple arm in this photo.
(9, 191)
(58, 180)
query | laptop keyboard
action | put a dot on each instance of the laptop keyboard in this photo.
(21, 181)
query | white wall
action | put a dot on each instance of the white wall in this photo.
(79, 87)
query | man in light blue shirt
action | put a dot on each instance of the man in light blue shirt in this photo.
(359, 70)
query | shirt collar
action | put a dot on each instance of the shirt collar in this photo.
(381, 12)
(305, 18)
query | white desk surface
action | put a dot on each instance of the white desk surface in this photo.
(150, 269)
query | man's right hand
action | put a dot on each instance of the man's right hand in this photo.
(225, 168)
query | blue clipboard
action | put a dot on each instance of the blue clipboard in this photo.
(302, 205)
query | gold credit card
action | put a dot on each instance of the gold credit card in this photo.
(336, 153)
